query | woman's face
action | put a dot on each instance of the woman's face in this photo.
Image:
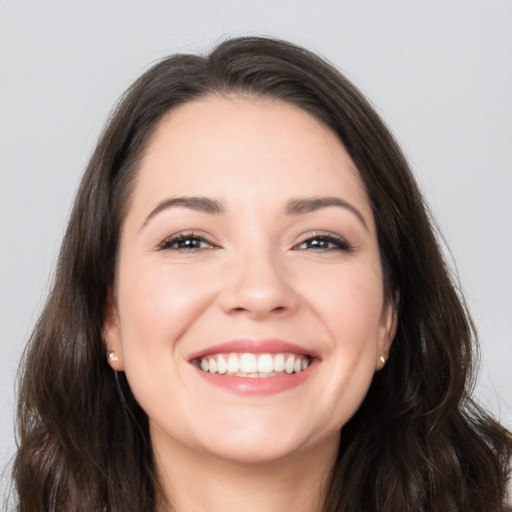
(248, 312)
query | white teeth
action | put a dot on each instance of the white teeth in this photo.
(248, 363)
(266, 363)
(233, 363)
(253, 365)
(288, 366)
(279, 363)
(222, 365)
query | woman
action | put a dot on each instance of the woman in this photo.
(251, 311)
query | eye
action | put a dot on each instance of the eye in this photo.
(324, 242)
(185, 242)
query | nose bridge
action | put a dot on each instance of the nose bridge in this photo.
(258, 281)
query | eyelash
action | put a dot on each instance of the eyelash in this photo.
(168, 243)
(337, 243)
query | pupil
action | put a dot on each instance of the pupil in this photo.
(318, 243)
(190, 243)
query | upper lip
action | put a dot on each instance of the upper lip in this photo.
(255, 346)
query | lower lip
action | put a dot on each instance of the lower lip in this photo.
(260, 386)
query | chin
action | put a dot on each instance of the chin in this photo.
(258, 442)
(253, 453)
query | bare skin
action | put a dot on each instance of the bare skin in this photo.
(249, 235)
(200, 484)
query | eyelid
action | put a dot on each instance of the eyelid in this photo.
(341, 242)
(184, 235)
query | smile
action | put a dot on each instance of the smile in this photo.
(255, 367)
(252, 365)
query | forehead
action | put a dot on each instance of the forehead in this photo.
(247, 148)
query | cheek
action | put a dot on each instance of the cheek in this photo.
(348, 299)
(157, 305)
(349, 304)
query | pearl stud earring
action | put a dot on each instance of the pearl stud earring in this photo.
(111, 356)
(382, 360)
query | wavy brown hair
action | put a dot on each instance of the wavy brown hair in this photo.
(417, 443)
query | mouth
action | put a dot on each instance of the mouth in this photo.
(255, 367)
(250, 365)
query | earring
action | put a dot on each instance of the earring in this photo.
(382, 360)
(111, 356)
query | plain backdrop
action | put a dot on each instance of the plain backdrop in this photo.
(439, 72)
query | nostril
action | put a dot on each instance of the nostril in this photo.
(259, 312)
(250, 295)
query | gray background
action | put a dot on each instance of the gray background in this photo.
(440, 72)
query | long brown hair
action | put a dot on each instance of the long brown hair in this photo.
(417, 443)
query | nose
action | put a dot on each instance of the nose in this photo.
(259, 285)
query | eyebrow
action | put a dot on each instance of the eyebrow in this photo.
(297, 206)
(199, 204)
(312, 204)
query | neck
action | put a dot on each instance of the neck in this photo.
(195, 482)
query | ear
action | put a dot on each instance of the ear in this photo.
(111, 334)
(387, 331)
